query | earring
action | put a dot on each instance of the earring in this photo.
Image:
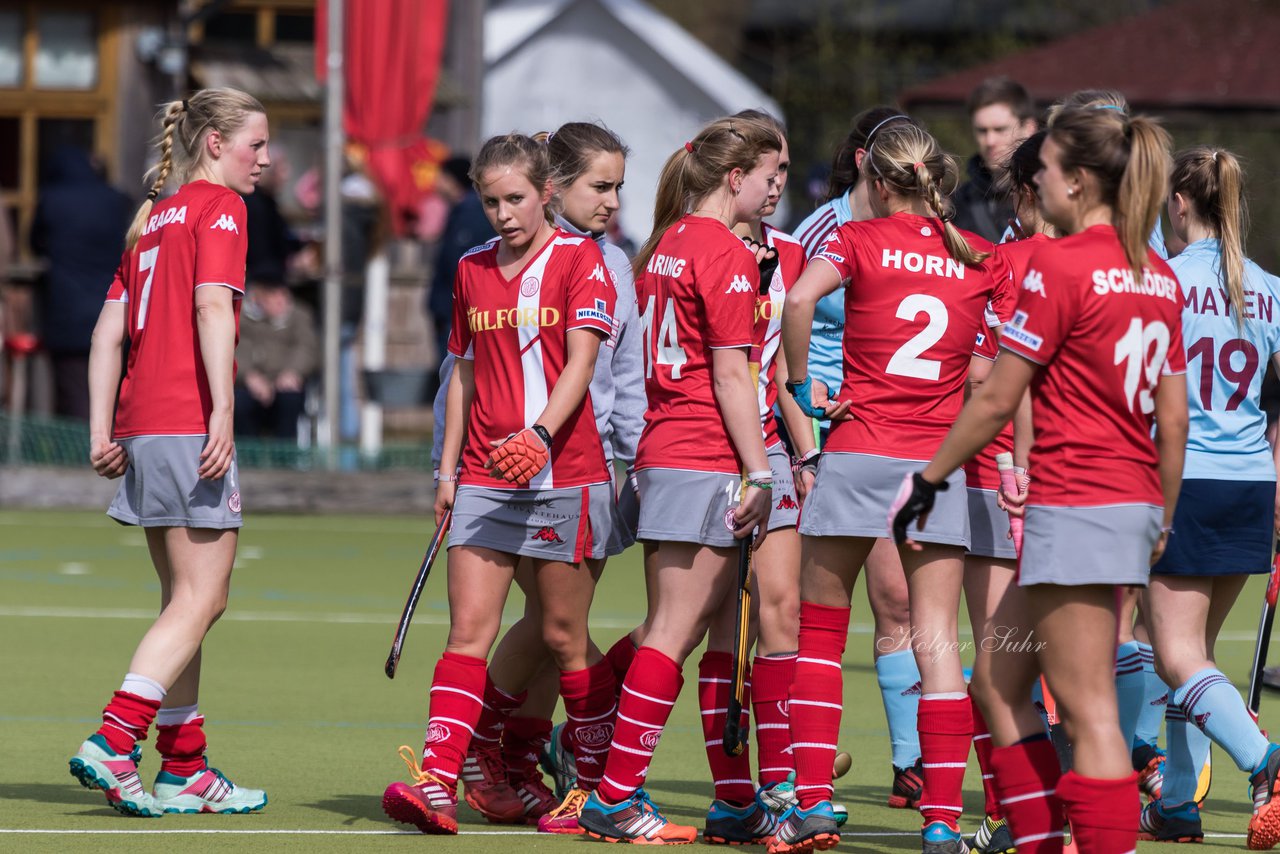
(1071, 192)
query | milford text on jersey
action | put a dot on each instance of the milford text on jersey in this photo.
(914, 262)
(484, 320)
(165, 217)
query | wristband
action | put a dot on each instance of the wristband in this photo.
(447, 478)
(760, 484)
(766, 474)
(543, 434)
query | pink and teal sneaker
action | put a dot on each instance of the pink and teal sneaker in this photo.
(205, 791)
(97, 766)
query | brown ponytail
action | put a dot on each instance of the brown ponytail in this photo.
(911, 163)
(695, 170)
(1212, 182)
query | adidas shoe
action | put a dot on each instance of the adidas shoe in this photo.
(428, 803)
(778, 797)
(205, 791)
(485, 786)
(538, 800)
(908, 786)
(938, 837)
(564, 818)
(1180, 824)
(1264, 826)
(1148, 761)
(730, 825)
(814, 829)
(634, 820)
(97, 766)
(559, 763)
(993, 837)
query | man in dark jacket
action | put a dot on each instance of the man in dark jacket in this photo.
(466, 227)
(1001, 114)
(79, 228)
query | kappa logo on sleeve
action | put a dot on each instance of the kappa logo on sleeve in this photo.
(739, 285)
(1034, 283)
(597, 275)
(227, 223)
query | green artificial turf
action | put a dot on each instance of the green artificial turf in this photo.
(297, 702)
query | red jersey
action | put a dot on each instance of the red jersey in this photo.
(515, 331)
(1010, 263)
(193, 239)
(768, 328)
(1104, 340)
(912, 313)
(697, 294)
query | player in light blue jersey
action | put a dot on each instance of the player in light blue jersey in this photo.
(1225, 521)
(896, 670)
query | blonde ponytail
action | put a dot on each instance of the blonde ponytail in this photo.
(1212, 182)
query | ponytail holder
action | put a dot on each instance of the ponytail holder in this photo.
(153, 195)
(550, 137)
(184, 105)
(688, 146)
(918, 165)
(1214, 155)
(1115, 107)
(948, 215)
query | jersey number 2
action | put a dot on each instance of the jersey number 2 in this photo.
(1134, 351)
(669, 350)
(906, 362)
(146, 264)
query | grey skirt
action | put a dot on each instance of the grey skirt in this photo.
(161, 489)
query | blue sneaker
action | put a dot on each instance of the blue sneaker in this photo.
(938, 837)
(559, 763)
(730, 825)
(634, 820)
(1180, 824)
(801, 831)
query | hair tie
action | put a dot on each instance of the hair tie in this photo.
(918, 165)
(1214, 155)
(185, 105)
(550, 137)
(1115, 107)
(151, 196)
(688, 146)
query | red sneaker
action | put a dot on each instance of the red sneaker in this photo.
(537, 798)
(427, 804)
(485, 786)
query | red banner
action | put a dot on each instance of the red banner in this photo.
(392, 59)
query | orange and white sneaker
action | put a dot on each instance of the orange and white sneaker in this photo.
(635, 820)
(564, 818)
(427, 803)
(1264, 826)
(537, 797)
(485, 786)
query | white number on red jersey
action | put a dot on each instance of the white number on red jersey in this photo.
(670, 352)
(146, 264)
(907, 362)
(1134, 351)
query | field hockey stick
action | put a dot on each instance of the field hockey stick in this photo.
(1264, 638)
(1009, 483)
(415, 593)
(735, 736)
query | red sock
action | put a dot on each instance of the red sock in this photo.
(498, 706)
(731, 774)
(620, 656)
(771, 678)
(522, 740)
(455, 709)
(816, 699)
(1026, 778)
(982, 747)
(126, 719)
(945, 725)
(652, 686)
(182, 747)
(1103, 813)
(590, 703)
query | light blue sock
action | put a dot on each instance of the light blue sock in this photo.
(899, 680)
(1155, 697)
(1213, 704)
(1130, 687)
(1188, 748)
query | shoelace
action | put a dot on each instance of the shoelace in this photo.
(572, 804)
(420, 775)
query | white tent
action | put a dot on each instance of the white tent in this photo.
(616, 61)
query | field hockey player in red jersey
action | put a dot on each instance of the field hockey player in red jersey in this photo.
(1098, 329)
(697, 287)
(917, 289)
(175, 299)
(522, 466)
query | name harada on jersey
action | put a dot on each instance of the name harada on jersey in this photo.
(503, 318)
(166, 217)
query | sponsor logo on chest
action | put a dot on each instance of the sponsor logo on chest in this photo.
(488, 320)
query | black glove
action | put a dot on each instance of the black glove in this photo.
(914, 500)
(767, 263)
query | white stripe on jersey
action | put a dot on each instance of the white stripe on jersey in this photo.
(812, 237)
(532, 370)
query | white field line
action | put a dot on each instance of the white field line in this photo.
(283, 832)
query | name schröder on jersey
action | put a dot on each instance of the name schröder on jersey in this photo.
(740, 285)
(1120, 280)
(165, 217)
(226, 222)
(599, 313)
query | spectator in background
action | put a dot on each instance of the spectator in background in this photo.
(278, 351)
(1001, 114)
(467, 226)
(271, 241)
(79, 227)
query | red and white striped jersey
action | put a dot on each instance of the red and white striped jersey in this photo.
(912, 314)
(697, 294)
(516, 333)
(768, 328)
(1104, 339)
(193, 239)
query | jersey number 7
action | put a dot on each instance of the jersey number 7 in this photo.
(146, 264)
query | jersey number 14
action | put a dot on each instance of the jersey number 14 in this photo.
(669, 352)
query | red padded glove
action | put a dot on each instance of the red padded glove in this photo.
(520, 456)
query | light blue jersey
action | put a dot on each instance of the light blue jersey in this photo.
(1225, 366)
(826, 354)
